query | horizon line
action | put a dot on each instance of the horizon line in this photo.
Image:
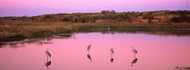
(87, 12)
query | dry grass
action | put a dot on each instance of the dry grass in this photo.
(46, 25)
(27, 29)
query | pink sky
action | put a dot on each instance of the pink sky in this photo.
(39, 7)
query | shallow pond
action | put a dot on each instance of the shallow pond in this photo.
(107, 52)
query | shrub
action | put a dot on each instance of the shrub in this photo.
(15, 37)
(148, 16)
(104, 12)
(41, 34)
(66, 19)
(48, 17)
(141, 14)
(181, 18)
(63, 30)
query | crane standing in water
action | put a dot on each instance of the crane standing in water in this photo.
(134, 50)
(112, 51)
(48, 54)
(89, 46)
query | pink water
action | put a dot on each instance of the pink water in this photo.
(154, 53)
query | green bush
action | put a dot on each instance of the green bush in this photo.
(66, 19)
(15, 37)
(104, 12)
(63, 30)
(181, 18)
(148, 16)
(48, 17)
(41, 34)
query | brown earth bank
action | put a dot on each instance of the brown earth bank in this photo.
(157, 22)
(151, 17)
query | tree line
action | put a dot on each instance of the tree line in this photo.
(110, 17)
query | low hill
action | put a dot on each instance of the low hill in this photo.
(43, 26)
(151, 17)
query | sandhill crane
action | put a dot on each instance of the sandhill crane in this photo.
(112, 51)
(89, 46)
(48, 54)
(134, 50)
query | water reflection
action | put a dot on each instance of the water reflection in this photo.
(153, 53)
(160, 33)
(36, 41)
(112, 52)
(46, 41)
(182, 68)
(134, 61)
(17, 44)
(48, 62)
(88, 55)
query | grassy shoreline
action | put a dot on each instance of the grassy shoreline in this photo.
(42, 26)
(14, 32)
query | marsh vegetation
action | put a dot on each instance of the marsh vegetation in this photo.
(43, 26)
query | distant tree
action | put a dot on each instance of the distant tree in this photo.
(141, 14)
(149, 16)
(181, 18)
(66, 19)
(122, 16)
(104, 12)
(84, 19)
(48, 17)
(112, 12)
